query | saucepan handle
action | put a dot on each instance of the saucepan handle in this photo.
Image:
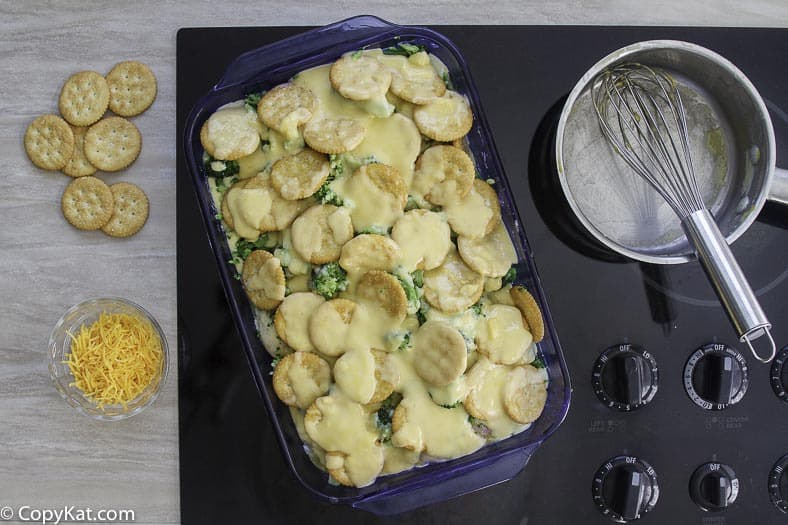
(729, 281)
(778, 191)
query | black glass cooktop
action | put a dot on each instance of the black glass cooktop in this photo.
(231, 467)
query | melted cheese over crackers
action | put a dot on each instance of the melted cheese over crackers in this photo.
(341, 429)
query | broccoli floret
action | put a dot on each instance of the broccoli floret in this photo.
(447, 80)
(510, 276)
(328, 280)
(421, 315)
(244, 247)
(325, 194)
(253, 99)
(377, 230)
(404, 49)
(479, 427)
(411, 291)
(405, 342)
(477, 309)
(418, 278)
(336, 166)
(384, 415)
(219, 168)
(538, 363)
(223, 185)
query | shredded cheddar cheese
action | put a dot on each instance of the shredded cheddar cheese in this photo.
(114, 359)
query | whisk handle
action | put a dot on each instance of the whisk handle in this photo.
(728, 280)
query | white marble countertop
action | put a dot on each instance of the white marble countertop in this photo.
(50, 456)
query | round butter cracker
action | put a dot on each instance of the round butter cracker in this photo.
(476, 214)
(492, 255)
(230, 134)
(292, 319)
(528, 306)
(49, 142)
(369, 251)
(333, 135)
(87, 203)
(384, 291)
(424, 238)
(524, 394)
(359, 77)
(415, 80)
(132, 88)
(286, 107)
(452, 287)
(446, 118)
(299, 176)
(448, 173)
(84, 98)
(264, 280)
(130, 210)
(329, 325)
(439, 352)
(319, 233)
(112, 144)
(313, 373)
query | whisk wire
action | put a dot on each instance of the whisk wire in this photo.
(649, 114)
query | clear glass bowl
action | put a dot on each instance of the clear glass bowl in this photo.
(85, 313)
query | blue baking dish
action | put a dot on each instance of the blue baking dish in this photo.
(273, 64)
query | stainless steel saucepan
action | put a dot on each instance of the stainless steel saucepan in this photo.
(732, 143)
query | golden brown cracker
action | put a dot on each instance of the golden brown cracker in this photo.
(87, 203)
(132, 88)
(286, 106)
(440, 354)
(524, 394)
(264, 282)
(49, 142)
(416, 81)
(230, 133)
(312, 368)
(130, 211)
(333, 135)
(384, 291)
(532, 315)
(445, 118)
(299, 176)
(112, 143)
(359, 77)
(84, 98)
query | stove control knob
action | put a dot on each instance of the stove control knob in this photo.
(778, 484)
(625, 377)
(716, 376)
(779, 374)
(625, 488)
(714, 486)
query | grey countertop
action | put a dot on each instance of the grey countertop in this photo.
(50, 456)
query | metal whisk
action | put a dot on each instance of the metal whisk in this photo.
(641, 114)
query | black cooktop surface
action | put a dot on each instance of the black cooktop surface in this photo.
(231, 467)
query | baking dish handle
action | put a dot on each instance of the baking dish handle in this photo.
(502, 469)
(247, 65)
